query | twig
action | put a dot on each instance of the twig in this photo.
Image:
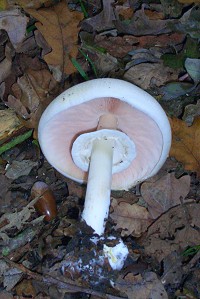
(49, 280)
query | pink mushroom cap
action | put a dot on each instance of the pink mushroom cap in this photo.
(77, 111)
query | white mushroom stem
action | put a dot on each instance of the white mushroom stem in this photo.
(97, 199)
(101, 153)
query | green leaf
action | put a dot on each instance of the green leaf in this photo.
(15, 141)
(79, 69)
(90, 61)
(191, 250)
(83, 9)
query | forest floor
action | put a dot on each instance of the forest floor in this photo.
(47, 46)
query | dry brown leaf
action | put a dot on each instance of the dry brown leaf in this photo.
(141, 25)
(144, 286)
(59, 26)
(132, 219)
(33, 3)
(173, 231)
(16, 219)
(124, 12)
(5, 68)
(8, 123)
(102, 21)
(14, 22)
(32, 93)
(163, 40)
(19, 168)
(119, 46)
(191, 111)
(164, 193)
(5, 193)
(7, 53)
(25, 289)
(154, 15)
(146, 74)
(186, 143)
(5, 295)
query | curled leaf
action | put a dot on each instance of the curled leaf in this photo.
(192, 66)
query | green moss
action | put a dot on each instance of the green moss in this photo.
(190, 49)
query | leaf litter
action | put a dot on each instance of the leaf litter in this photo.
(157, 220)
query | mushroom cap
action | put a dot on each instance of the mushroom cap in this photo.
(77, 111)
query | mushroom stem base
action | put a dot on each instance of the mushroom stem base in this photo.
(97, 200)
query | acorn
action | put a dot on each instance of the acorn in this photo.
(46, 204)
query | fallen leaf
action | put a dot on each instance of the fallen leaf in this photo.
(11, 278)
(132, 219)
(59, 26)
(117, 46)
(144, 286)
(186, 143)
(190, 112)
(5, 68)
(16, 219)
(174, 90)
(14, 22)
(5, 194)
(146, 74)
(42, 43)
(173, 231)
(141, 56)
(141, 24)
(5, 295)
(68, 228)
(163, 40)
(105, 63)
(26, 289)
(192, 66)
(176, 60)
(173, 269)
(6, 55)
(19, 168)
(102, 21)
(124, 12)
(32, 94)
(9, 123)
(190, 22)
(165, 193)
(171, 8)
(34, 3)
(154, 15)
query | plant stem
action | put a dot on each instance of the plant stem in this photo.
(15, 141)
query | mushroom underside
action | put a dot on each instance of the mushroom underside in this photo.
(59, 133)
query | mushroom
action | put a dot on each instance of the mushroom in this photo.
(108, 133)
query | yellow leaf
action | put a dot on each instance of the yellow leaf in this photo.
(186, 143)
(59, 26)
